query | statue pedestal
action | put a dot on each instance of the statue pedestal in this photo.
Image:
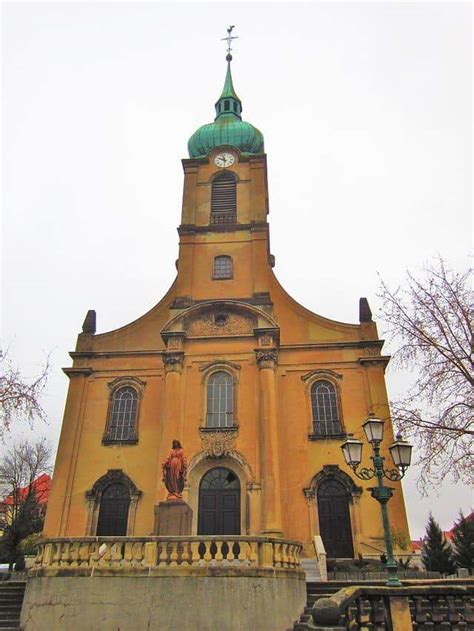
(173, 518)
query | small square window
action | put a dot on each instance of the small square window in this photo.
(222, 267)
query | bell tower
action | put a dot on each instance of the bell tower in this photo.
(224, 238)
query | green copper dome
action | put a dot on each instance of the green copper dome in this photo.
(228, 127)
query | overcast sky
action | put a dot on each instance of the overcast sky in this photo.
(366, 113)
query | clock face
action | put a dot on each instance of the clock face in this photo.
(224, 159)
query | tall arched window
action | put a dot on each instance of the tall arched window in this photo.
(222, 267)
(326, 418)
(113, 512)
(224, 199)
(122, 422)
(220, 400)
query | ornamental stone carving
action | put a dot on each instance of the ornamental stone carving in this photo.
(173, 362)
(267, 358)
(220, 322)
(219, 443)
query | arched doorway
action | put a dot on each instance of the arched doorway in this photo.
(219, 503)
(113, 512)
(334, 519)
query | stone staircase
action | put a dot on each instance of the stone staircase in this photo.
(11, 600)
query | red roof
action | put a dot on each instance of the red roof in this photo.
(417, 545)
(42, 487)
(449, 533)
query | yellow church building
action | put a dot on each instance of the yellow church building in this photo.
(260, 391)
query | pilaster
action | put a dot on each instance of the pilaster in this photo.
(272, 522)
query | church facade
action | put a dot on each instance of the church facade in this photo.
(259, 391)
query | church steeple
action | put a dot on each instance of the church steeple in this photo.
(228, 103)
(228, 128)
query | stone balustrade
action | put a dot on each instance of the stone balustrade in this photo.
(444, 605)
(166, 553)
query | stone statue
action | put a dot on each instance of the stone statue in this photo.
(174, 472)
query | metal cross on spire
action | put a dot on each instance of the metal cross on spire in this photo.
(229, 39)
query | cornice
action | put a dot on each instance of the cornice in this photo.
(77, 372)
(87, 354)
(376, 344)
(190, 228)
(375, 359)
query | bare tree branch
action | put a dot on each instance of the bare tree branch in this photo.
(19, 399)
(430, 322)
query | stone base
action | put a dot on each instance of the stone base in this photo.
(251, 600)
(173, 519)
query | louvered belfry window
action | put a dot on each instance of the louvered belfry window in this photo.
(224, 199)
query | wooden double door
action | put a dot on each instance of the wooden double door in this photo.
(113, 512)
(219, 503)
(334, 520)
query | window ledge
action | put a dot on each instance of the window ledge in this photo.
(115, 441)
(233, 428)
(340, 436)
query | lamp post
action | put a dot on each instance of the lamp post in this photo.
(400, 451)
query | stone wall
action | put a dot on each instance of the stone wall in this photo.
(254, 600)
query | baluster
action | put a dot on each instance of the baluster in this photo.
(231, 556)
(207, 552)
(138, 552)
(64, 554)
(277, 556)
(116, 553)
(195, 556)
(173, 549)
(128, 553)
(218, 555)
(253, 554)
(74, 550)
(160, 553)
(39, 554)
(57, 550)
(186, 554)
(244, 552)
(293, 555)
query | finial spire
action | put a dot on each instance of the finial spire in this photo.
(229, 39)
(229, 104)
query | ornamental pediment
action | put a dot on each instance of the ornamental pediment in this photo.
(220, 318)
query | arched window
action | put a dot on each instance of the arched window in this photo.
(222, 267)
(326, 418)
(113, 512)
(220, 400)
(224, 199)
(122, 422)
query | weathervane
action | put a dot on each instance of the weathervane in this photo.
(229, 39)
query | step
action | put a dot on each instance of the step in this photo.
(12, 584)
(12, 615)
(9, 607)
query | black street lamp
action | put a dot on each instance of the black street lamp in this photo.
(400, 451)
